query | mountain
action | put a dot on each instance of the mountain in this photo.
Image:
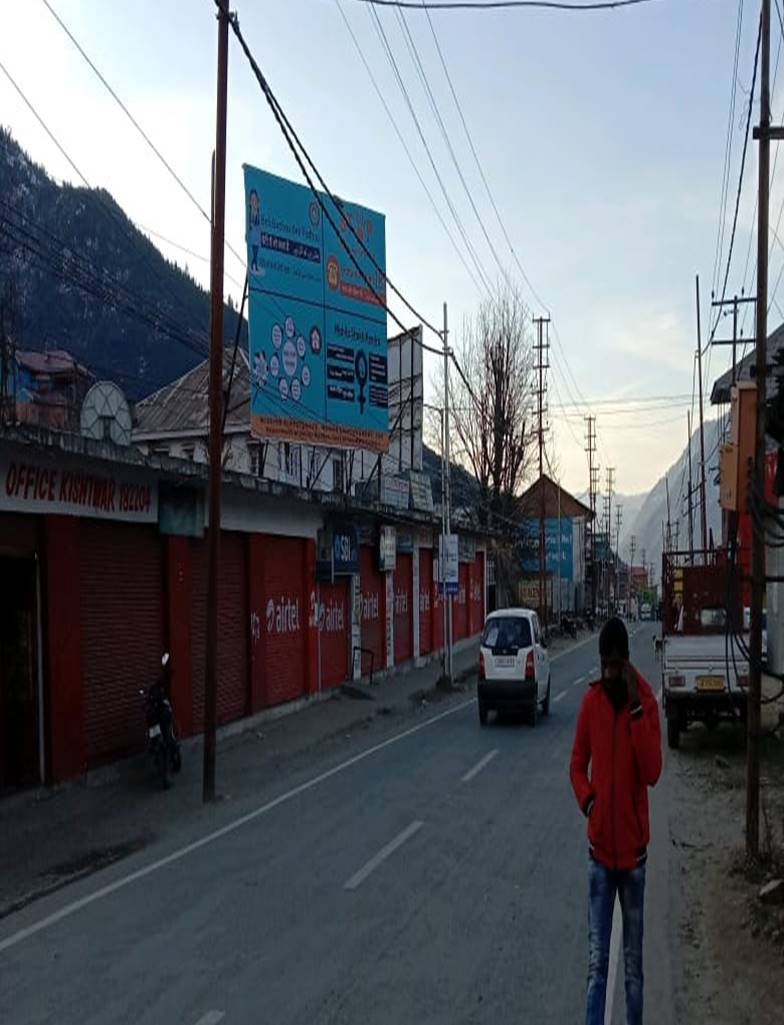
(78, 275)
(647, 525)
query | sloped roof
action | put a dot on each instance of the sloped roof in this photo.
(746, 368)
(571, 507)
(182, 407)
(55, 361)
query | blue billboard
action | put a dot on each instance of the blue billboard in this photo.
(530, 561)
(318, 339)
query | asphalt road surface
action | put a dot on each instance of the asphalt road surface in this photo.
(436, 874)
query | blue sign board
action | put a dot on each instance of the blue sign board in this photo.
(530, 562)
(318, 339)
(345, 550)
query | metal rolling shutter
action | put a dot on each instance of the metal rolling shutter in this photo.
(425, 600)
(334, 633)
(372, 585)
(403, 582)
(121, 588)
(233, 672)
(460, 606)
(284, 620)
(477, 595)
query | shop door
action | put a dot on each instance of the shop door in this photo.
(402, 580)
(460, 606)
(425, 601)
(334, 626)
(373, 586)
(18, 675)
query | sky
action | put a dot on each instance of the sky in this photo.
(602, 137)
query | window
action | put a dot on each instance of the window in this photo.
(337, 474)
(254, 457)
(289, 460)
(504, 632)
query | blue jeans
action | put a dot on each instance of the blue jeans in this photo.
(604, 884)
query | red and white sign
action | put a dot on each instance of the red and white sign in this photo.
(37, 486)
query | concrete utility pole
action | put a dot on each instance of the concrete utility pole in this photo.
(216, 402)
(763, 133)
(703, 504)
(618, 519)
(593, 472)
(610, 482)
(541, 347)
(448, 495)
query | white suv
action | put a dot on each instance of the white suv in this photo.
(514, 667)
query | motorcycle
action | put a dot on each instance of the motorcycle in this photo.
(162, 742)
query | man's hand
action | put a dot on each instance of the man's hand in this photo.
(630, 675)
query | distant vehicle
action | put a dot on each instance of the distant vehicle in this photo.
(705, 673)
(645, 610)
(514, 665)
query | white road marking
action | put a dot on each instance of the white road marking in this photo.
(479, 766)
(560, 696)
(217, 834)
(359, 877)
(615, 956)
(211, 1018)
(578, 681)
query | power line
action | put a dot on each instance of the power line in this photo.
(135, 123)
(405, 146)
(489, 5)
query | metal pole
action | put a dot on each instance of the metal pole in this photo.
(560, 609)
(758, 480)
(216, 401)
(445, 624)
(691, 486)
(703, 509)
(447, 597)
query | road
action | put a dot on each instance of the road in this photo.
(436, 875)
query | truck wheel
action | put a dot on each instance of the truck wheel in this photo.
(673, 734)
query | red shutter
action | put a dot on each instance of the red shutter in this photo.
(460, 605)
(425, 601)
(402, 586)
(121, 588)
(334, 633)
(476, 595)
(284, 620)
(232, 630)
(373, 588)
(438, 612)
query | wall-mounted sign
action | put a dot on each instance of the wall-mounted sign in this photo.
(448, 564)
(387, 549)
(395, 492)
(345, 550)
(29, 484)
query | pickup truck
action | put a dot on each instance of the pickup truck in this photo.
(705, 675)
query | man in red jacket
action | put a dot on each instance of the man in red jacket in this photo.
(618, 737)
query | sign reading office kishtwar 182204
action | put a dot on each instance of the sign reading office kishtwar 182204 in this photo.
(318, 343)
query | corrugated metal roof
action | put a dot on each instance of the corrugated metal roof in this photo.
(746, 368)
(55, 361)
(183, 405)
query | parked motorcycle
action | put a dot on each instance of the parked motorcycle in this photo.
(162, 742)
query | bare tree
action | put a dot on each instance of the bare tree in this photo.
(492, 403)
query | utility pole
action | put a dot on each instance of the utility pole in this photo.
(541, 347)
(703, 505)
(691, 489)
(758, 479)
(216, 404)
(610, 475)
(632, 550)
(668, 536)
(618, 519)
(593, 472)
(448, 492)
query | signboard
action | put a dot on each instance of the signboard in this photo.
(394, 492)
(528, 593)
(337, 552)
(421, 491)
(553, 548)
(449, 564)
(33, 485)
(387, 549)
(318, 340)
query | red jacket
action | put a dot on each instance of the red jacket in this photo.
(623, 750)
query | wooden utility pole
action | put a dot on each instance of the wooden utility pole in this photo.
(541, 347)
(216, 403)
(703, 503)
(593, 472)
(758, 476)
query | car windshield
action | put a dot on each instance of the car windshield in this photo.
(507, 632)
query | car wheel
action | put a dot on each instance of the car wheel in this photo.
(483, 713)
(546, 702)
(673, 734)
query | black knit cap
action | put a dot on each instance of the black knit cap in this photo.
(613, 638)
